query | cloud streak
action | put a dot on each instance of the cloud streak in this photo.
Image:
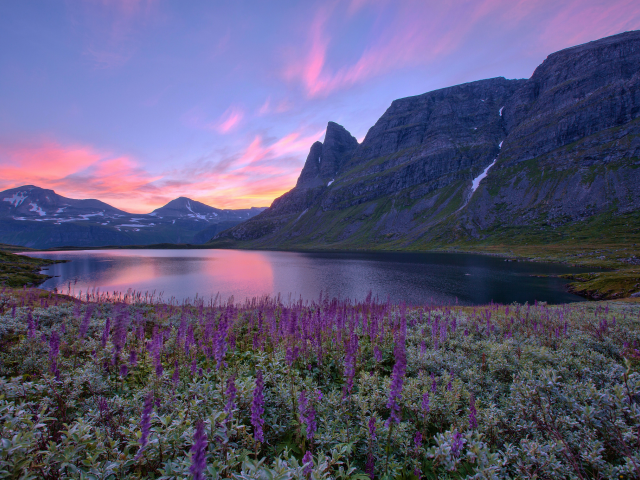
(416, 33)
(263, 170)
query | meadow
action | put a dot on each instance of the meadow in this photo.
(113, 387)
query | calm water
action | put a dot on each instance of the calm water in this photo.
(411, 277)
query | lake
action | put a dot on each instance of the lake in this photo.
(415, 278)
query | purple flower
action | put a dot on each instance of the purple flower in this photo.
(133, 358)
(123, 370)
(176, 373)
(434, 384)
(198, 452)
(397, 380)
(145, 423)
(54, 349)
(105, 332)
(31, 326)
(350, 363)
(425, 403)
(257, 408)
(457, 444)
(377, 354)
(370, 467)
(307, 414)
(473, 421)
(372, 428)
(231, 396)
(418, 440)
(307, 461)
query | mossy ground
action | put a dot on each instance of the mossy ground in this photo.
(19, 270)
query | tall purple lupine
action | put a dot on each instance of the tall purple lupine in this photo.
(418, 440)
(397, 380)
(425, 404)
(473, 420)
(175, 378)
(106, 332)
(198, 452)
(231, 396)
(84, 324)
(350, 363)
(307, 461)
(145, 423)
(307, 414)
(133, 359)
(54, 349)
(257, 408)
(457, 444)
(372, 428)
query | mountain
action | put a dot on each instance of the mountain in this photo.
(38, 218)
(492, 160)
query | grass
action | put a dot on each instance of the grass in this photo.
(20, 270)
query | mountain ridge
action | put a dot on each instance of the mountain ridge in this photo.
(546, 153)
(40, 218)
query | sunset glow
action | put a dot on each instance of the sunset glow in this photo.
(138, 102)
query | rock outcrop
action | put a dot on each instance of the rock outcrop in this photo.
(556, 149)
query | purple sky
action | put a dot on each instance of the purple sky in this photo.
(137, 102)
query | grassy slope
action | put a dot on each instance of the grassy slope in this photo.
(19, 270)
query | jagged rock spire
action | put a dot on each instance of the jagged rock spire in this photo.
(325, 160)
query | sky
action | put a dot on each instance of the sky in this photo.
(138, 102)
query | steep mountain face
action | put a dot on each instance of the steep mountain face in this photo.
(474, 160)
(34, 217)
(574, 141)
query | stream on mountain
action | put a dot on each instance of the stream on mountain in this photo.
(414, 278)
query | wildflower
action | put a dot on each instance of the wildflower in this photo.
(377, 354)
(370, 467)
(231, 396)
(198, 452)
(257, 408)
(105, 332)
(307, 461)
(307, 414)
(350, 365)
(397, 380)
(123, 370)
(133, 358)
(473, 421)
(145, 423)
(418, 440)
(31, 326)
(175, 378)
(54, 349)
(425, 403)
(457, 444)
(372, 428)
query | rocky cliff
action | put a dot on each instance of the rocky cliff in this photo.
(474, 161)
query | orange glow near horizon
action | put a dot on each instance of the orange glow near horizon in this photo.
(261, 173)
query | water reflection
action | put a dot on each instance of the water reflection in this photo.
(409, 277)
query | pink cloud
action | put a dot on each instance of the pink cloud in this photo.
(416, 33)
(261, 171)
(229, 119)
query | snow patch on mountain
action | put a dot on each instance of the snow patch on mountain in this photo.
(37, 209)
(16, 199)
(476, 181)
